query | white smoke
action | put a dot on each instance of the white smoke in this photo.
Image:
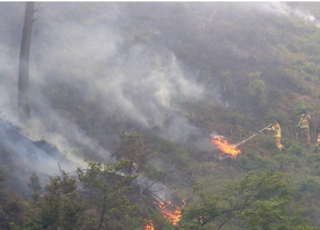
(137, 83)
(282, 8)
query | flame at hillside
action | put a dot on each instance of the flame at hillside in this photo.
(170, 215)
(223, 145)
(149, 226)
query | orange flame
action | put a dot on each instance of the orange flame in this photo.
(223, 145)
(149, 226)
(173, 216)
(170, 215)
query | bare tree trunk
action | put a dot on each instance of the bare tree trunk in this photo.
(23, 85)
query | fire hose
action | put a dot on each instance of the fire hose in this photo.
(245, 140)
(238, 144)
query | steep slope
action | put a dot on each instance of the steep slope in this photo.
(152, 81)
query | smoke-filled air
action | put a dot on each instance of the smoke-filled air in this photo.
(159, 115)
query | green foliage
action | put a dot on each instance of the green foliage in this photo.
(135, 149)
(11, 209)
(230, 49)
(264, 201)
(309, 184)
(240, 131)
(254, 76)
(317, 169)
(257, 88)
(313, 158)
(173, 152)
(256, 91)
(130, 222)
(286, 161)
(62, 207)
(35, 185)
(155, 170)
(225, 74)
(236, 118)
(292, 147)
(227, 82)
(159, 222)
(298, 109)
(277, 114)
(254, 162)
(282, 51)
(108, 189)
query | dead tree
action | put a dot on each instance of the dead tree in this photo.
(23, 85)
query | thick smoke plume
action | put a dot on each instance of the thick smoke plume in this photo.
(93, 51)
(137, 83)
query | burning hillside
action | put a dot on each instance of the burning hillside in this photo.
(171, 213)
(225, 147)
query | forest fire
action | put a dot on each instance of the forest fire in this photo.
(223, 145)
(170, 215)
(149, 226)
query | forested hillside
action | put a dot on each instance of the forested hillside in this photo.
(126, 99)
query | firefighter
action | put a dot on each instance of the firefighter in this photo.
(304, 129)
(317, 149)
(277, 134)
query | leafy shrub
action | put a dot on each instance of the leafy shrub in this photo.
(276, 114)
(254, 161)
(317, 169)
(298, 109)
(292, 146)
(286, 160)
(236, 118)
(309, 185)
(154, 169)
(303, 90)
(261, 200)
(313, 158)
(257, 87)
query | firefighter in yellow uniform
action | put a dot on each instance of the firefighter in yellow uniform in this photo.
(317, 150)
(276, 134)
(304, 129)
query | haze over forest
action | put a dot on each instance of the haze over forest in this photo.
(143, 87)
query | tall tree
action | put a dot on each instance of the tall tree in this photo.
(62, 206)
(35, 185)
(108, 189)
(23, 85)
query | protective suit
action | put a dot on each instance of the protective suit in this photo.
(317, 150)
(276, 134)
(304, 129)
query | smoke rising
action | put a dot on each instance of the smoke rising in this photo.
(134, 83)
(90, 54)
(281, 8)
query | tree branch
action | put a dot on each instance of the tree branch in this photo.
(146, 189)
(232, 216)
